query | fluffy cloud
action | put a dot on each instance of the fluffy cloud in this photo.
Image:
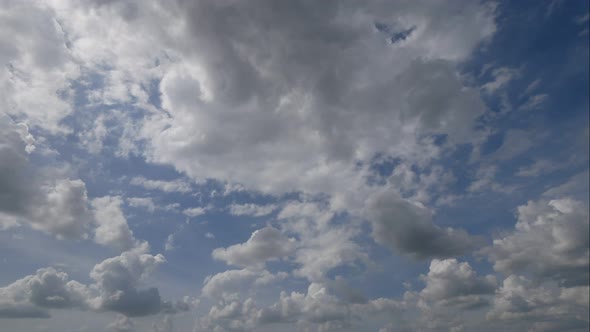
(115, 288)
(112, 227)
(55, 204)
(407, 227)
(315, 309)
(523, 305)
(230, 282)
(322, 243)
(265, 244)
(122, 324)
(449, 282)
(117, 279)
(37, 65)
(33, 295)
(549, 242)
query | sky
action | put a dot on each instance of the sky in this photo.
(294, 165)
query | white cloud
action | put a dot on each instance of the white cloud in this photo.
(194, 211)
(577, 186)
(169, 245)
(253, 210)
(230, 282)
(46, 202)
(536, 308)
(112, 229)
(144, 202)
(115, 288)
(165, 186)
(501, 77)
(33, 295)
(264, 244)
(63, 210)
(288, 121)
(37, 65)
(540, 167)
(451, 283)
(122, 323)
(117, 279)
(549, 242)
(534, 102)
(322, 244)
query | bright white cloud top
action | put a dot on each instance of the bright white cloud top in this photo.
(294, 165)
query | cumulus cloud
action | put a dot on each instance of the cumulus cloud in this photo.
(112, 229)
(549, 242)
(116, 288)
(539, 308)
(408, 228)
(117, 279)
(227, 283)
(314, 309)
(322, 244)
(264, 244)
(449, 282)
(32, 296)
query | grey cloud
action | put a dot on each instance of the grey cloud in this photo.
(15, 185)
(576, 186)
(58, 206)
(14, 310)
(53, 203)
(290, 103)
(407, 227)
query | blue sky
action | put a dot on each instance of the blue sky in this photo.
(294, 166)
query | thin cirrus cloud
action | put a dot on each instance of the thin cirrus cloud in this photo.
(382, 166)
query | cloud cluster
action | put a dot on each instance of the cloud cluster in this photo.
(50, 202)
(115, 288)
(293, 118)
